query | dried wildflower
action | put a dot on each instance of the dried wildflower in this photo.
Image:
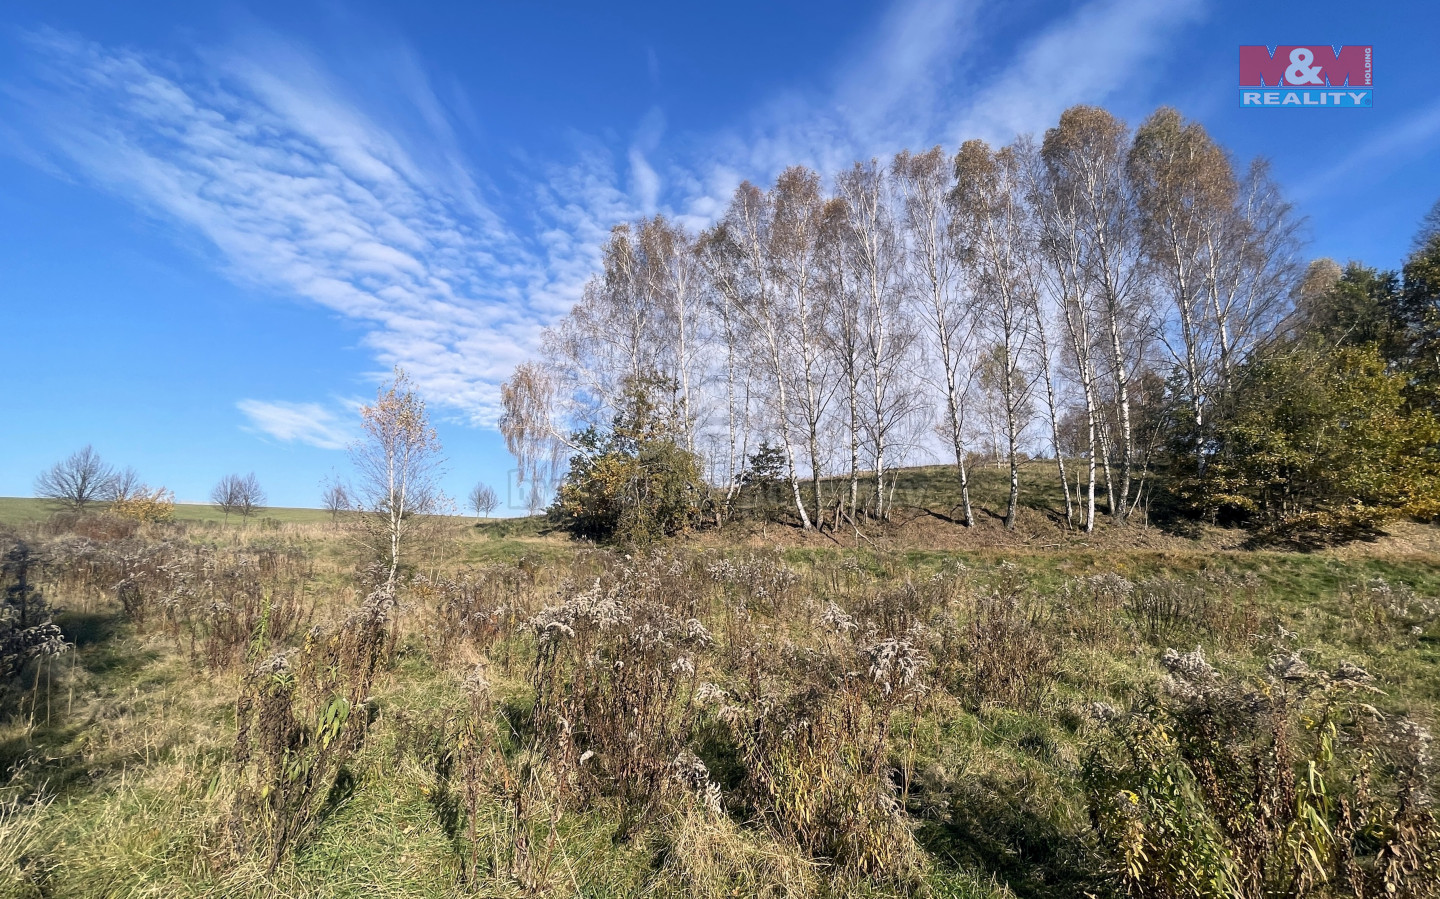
(696, 632)
(895, 665)
(1352, 673)
(836, 620)
(598, 608)
(1190, 675)
(692, 774)
(1190, 666)
(476, 684)
(1102, 712)
(1415, 738)
(1289, 666)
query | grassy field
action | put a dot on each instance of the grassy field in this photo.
(932, 488)
(25, 510)
(497, 756)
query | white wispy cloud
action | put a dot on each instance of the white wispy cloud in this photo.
(309, 423)
(1102, 50)
(302, 188)
(916, 86)
(301, 192)
(1407, 138)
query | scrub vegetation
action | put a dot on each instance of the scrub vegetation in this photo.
(755, 710)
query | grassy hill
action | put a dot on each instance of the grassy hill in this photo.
(911, 709)
(23, 510)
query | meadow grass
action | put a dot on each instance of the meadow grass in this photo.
(117, 755)
(16, 510)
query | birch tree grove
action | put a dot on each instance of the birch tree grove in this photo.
(1220, 255)
(837, 319)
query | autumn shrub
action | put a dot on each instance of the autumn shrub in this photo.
(300, 718)
(27, 628)
(636, 481)
(816, 746)
(145, 505)
(614, 680)
(1317, 444)
(760, 579)
(906, 608)
(1288, 783)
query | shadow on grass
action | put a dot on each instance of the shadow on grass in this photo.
(987, 830)
(87, 629)
(1305, 536)
(43, 750)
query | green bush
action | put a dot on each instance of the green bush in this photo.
(635, 482)
(1317, 442)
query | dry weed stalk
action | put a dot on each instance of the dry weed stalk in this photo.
(1289, 784)
(615, 678)
(300, 718)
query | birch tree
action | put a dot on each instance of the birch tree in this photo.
(935, 290)
(1254, 267)
(738, 255)
(726, 326)
(612, 335)
(1042, 312)
(1061, 248)
(1185, 192)
(795, 241)
(670, 276)
(1222, 252)
(996, 246)
(876, 255)
(533, 430)
(398, 463)
(1086, 155)
(843, 333)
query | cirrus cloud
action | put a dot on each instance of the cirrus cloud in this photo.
(309, 423)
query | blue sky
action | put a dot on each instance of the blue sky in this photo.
(221, 224)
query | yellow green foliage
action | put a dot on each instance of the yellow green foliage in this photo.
(1321, 438)
(635, 482)
(146, 505)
